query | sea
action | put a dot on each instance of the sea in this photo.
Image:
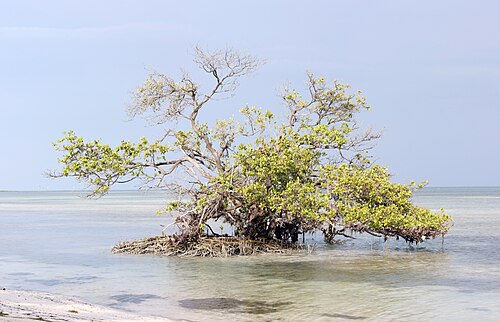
(60, 242)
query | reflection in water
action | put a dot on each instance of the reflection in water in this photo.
(344, 316)
(66, 280)
(20, 274)
(61, 243)
(234, 305)
(134, 298)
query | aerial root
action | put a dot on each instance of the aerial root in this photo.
(204, 246)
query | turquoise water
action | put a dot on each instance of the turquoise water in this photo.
(60, 242)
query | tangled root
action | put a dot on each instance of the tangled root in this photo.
(204, 246)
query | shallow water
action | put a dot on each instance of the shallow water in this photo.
(59, 242)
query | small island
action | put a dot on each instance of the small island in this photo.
(269, 176)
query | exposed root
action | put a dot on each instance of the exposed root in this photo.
(204, 246)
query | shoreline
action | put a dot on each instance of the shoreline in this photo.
(28, 306)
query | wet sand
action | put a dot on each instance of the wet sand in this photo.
(29, 306)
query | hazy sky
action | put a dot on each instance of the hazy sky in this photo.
(430, 69)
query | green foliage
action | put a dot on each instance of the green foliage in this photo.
(276, 177)
(101, 166)
(266, 178)
(366, 200)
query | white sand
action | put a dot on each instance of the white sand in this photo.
(29, 306)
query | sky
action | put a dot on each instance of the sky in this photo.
(429, 69)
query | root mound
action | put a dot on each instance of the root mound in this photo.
(204, 246)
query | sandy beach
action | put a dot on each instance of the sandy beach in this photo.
(28, 306)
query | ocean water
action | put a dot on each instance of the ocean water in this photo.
(60, 242)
